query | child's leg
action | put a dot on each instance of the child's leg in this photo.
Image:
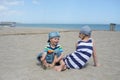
(39, 59)
(42, 60)
(61, 67)
(54, 62)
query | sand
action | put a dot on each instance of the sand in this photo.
(20, 46)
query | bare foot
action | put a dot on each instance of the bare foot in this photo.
(51, 65)
(97, 65)
(58, 68)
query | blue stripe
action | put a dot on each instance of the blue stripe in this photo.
(89, 41)
(86, 53)
(75, 61)
(53, 48)
(56, 47)
(80, 57)
(83, 47)
(69, 64)
(79, 42)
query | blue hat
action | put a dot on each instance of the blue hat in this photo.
(86, 30)
(52, 35)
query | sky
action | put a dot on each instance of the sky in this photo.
(61, 11)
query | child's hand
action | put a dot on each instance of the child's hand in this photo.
(51, 65)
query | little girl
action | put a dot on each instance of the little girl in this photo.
(52, 53)
(84, 50)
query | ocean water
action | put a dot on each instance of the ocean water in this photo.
(105, 27)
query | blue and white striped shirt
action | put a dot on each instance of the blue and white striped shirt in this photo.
(78, 58)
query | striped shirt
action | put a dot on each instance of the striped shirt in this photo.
(56, 51)
(78, 58)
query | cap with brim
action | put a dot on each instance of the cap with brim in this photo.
(53, 35)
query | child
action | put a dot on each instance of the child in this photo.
(84, 50)
(52, 52)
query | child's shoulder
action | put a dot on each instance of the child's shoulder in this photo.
(47, 46)
(88, 41)
(58, 45)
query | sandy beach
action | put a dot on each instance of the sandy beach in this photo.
(20, 46)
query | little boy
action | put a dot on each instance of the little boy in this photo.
(84, 50)
(52, 52)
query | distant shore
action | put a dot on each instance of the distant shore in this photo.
(100, 27)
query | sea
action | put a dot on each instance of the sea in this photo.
(103, 27)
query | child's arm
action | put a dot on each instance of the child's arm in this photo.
(76, 46)
(54, 61)
(60, 57)
(43, 56)
(59, 54)
(94, 55)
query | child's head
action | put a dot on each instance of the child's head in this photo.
(85, 31)
(53, 37)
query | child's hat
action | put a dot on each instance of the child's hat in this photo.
(52, 35)
(86, 30)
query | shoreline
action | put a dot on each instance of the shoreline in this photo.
(5, 31)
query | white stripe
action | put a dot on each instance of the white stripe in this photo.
(85, 44)
(72, 63)
(67, 63)
(78, 59)
(85, 56)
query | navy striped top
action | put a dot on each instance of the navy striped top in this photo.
(78, 58)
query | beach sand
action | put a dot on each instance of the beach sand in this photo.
(20, 46)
